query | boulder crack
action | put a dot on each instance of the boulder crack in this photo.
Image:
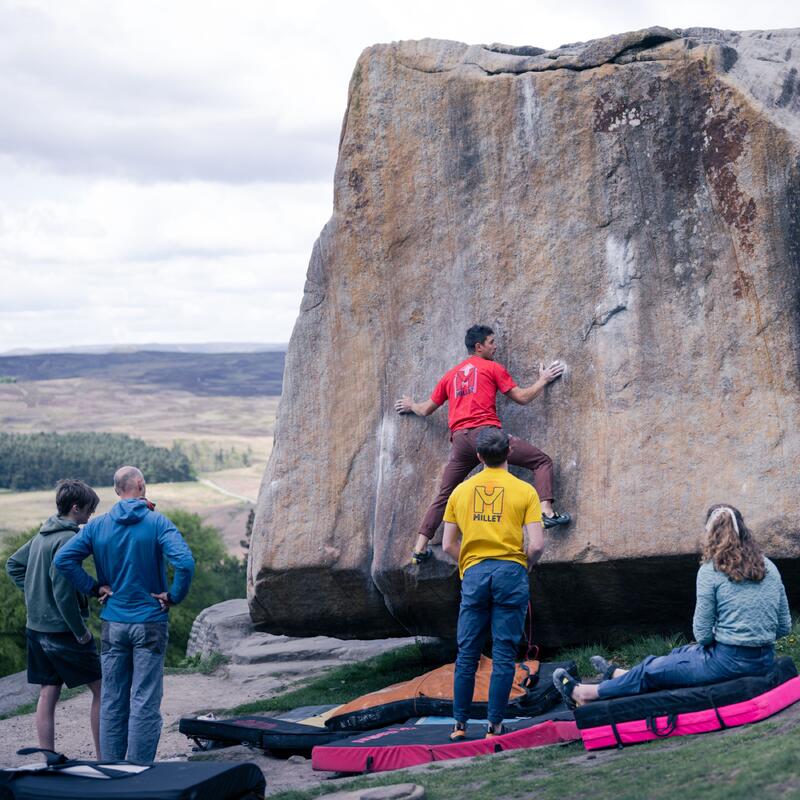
(602, 319)
(557, 67)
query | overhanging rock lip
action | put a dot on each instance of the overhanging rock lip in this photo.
(440, 55)
(582, 56)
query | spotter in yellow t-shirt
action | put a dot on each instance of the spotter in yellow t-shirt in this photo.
(490, 509)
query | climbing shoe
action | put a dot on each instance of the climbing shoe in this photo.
(459, 732)
(603, 667)
(493, 730)
(556, 519)
(565, 684)
(420, 558)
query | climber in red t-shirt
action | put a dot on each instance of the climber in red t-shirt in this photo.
(471, 389)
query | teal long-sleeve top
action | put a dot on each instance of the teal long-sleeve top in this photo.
(749, 613)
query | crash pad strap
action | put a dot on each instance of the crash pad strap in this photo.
(51, 756)
(531, 647)
(613, 724)
(667, 730)
(721, 721)
(58, 762)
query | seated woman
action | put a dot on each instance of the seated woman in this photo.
(741, 610)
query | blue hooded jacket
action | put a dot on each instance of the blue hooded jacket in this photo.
(129, 545)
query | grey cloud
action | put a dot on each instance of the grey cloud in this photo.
(233, 151)
(40, 57)
(147, 253)
(11, 305)
(75, 110)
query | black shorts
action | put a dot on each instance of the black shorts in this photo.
(56, 658)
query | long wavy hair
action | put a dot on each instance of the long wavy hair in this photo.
(730, 546)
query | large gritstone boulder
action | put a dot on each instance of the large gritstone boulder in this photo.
(629, 205)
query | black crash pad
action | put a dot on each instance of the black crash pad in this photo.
(267, 733)
(161, 781)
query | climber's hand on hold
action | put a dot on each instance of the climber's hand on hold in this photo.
(551, 373)
(404, 405)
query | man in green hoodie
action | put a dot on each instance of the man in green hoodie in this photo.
(60, 646)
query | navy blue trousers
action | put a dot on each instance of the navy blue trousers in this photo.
(690, 665)
(494, 595)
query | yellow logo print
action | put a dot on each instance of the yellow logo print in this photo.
(488, 503)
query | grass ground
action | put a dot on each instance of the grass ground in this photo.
(20, 511)
(750, 762)
(156, 415)
(204, 424)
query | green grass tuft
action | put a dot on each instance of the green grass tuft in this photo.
(790, 645)
(625, 654)
(346, 683)
(197, 665)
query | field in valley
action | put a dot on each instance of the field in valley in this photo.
(228, 436)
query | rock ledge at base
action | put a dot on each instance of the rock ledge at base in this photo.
(226, 628)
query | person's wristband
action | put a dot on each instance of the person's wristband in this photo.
(95, 590)
(170, 600)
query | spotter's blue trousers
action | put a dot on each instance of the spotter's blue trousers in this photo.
(494, 596)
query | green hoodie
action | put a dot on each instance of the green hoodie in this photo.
(52, 602)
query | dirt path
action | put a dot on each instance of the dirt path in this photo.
(219, 489)
(183, 695)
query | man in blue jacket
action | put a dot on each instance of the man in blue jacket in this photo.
(129, 545)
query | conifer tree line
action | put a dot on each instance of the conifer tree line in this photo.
(37, 460)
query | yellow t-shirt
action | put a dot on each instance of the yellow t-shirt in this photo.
(490, 509)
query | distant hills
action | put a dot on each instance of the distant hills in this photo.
(203, 347)
(243, 374)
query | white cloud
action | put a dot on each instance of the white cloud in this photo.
(109, 261)
(166, 166)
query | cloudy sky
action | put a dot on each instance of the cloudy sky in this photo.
(166, 166)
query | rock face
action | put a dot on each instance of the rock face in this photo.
(630, 206)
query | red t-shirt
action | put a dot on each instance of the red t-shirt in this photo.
(471, 388)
